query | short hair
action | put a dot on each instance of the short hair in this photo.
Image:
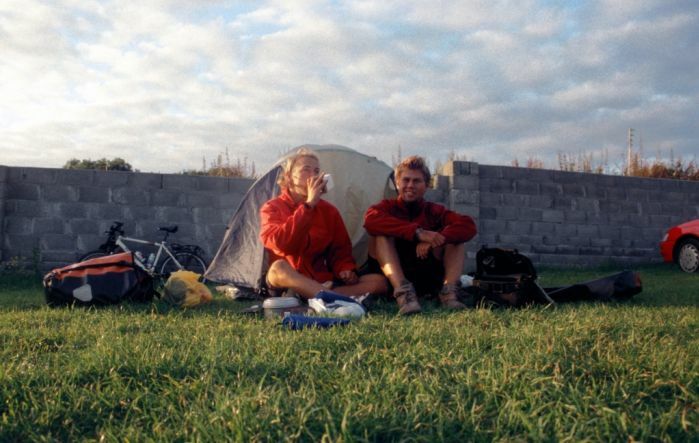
(415, 163)
(283, 180)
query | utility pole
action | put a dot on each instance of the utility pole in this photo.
(629, 151)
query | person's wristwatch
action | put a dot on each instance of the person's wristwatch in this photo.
(418, 231)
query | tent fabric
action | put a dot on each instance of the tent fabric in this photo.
(360, 181)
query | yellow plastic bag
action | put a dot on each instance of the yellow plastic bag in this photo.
(184, 289)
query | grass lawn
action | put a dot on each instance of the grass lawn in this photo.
(599, 372)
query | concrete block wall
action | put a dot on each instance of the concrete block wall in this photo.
(571, 218)
(60, 214)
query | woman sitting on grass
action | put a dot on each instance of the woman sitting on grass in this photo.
(307, 243)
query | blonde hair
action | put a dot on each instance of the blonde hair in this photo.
(285, 177)
(415, 163)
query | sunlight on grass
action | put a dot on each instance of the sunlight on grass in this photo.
(139, 372)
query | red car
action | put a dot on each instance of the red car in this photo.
(681, 244)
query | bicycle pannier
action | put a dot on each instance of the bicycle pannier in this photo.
(99, 281)
(504, 277)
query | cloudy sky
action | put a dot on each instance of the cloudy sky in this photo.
(164, 83)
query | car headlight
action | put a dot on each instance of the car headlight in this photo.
(664, 238)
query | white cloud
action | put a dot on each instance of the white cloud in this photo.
(163, 83)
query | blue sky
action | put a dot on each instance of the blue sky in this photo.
(164, 83)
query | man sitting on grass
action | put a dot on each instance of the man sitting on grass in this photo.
(307, 243)
(419, 245)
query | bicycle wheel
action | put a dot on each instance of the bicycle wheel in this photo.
(98, 253)
(188, 260)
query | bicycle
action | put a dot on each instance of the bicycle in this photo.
(168, 258)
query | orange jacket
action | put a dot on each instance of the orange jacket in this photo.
(314, 241)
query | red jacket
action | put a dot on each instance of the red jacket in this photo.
(395, 218)
(314, 241)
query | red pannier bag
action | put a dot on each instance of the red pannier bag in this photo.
(99, 281)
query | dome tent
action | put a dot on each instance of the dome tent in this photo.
(360, 181)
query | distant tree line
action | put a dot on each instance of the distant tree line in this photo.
(222, 166)
(103, 164)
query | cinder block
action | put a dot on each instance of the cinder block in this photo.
(134, 213)
(487, 212)
(630, 233)
(490, 172)
(22, 191)
(616, 194)
(517, 200)
(112, 178)
(591, 250)
(435, 195)
(543, 228)
(674, 197)
(470, 210)
(540, 201)
(145, 181)
(239, 185)
(176, 215)
(567, 249)
(496, 185)
(48, 226)
(574, 217)
(20, 244)
(56, 193)
(460, 196)
(595, 192)
(630, 207)
(551, 189)
(72, 210)
(467, 182)
(652, 208)
(530, 214)
(203, 200)
(216, 184)
(661, 220)
(573, 190)
(82, 177)
(672, 207)
(609, 206)
(599, 242)
(552, 215)
(596, 218)
(493, 226)
(108, 211)
(507, 240)
(565, 230)
(93, 195)
(507, 213)
(526, 187)
(440, 182)
(588, 231)
(58, 241)
(544, 249)
(491, 198)
(637, 195)
(585, 204)
(203, 216)
(33, 175)
(83, 226)
(19, 225)
(563, 202)
(4, 173)
(26, 208)
(182, 182)
(131, 196)
(161, 197)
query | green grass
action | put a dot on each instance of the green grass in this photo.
(598, 372)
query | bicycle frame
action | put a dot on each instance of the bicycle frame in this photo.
(120, 241)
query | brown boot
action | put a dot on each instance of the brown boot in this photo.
(407, 299)
(448, 298)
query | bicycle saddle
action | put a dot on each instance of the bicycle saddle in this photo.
(170, 229)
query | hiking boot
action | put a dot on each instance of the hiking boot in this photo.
(449, 299)
(407, 299)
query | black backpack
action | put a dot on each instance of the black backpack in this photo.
(504, 277)
(99, 281)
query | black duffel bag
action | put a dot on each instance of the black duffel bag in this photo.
(99, 281)
(504, 277)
